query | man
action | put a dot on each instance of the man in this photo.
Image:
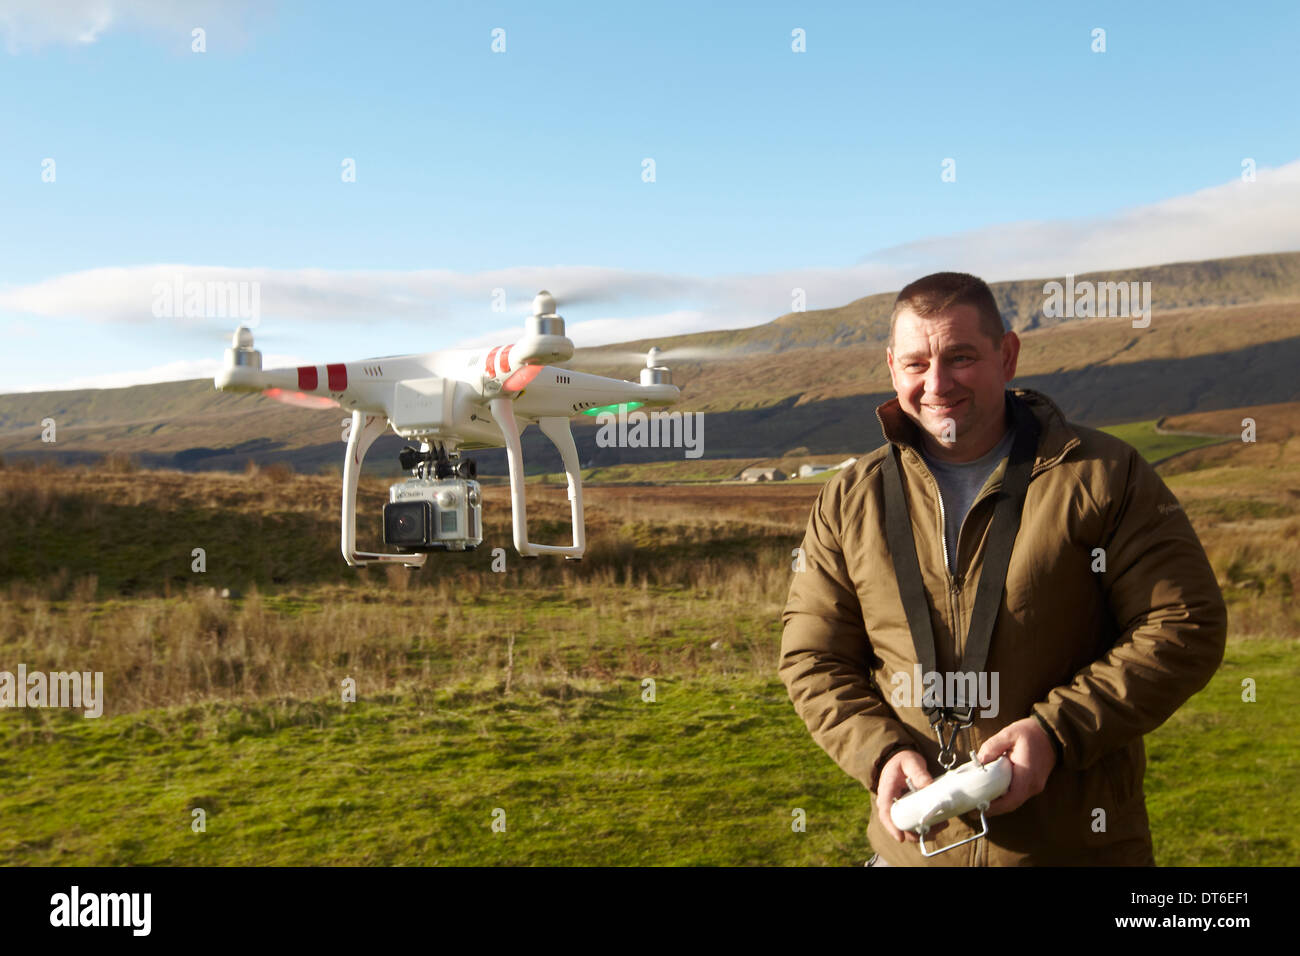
(1110, 617)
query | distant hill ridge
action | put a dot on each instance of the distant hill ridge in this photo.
(1272, 277)
(1225, 334)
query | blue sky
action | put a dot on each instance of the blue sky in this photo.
(478, 170)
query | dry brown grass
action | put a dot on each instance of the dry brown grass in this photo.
(197, 646)
(678, 581)
(669, 575)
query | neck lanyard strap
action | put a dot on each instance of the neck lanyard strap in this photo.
(1007, 511)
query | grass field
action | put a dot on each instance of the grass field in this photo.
(521, 691)
(1154, 446)
(712, 773)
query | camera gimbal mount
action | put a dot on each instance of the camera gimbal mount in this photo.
(434, 462)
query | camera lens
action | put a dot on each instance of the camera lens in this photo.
(407, 522)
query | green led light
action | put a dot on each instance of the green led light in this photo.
(613, 409)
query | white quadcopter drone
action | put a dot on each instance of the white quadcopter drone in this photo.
(451, 401)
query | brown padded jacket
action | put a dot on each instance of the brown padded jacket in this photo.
(1110, 620)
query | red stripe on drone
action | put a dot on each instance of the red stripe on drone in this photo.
(491, 361)
(505, 358)
(520, 379)
(338, 376)
(307, 378)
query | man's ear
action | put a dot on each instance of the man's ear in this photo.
(1010, 355)
(889, 360)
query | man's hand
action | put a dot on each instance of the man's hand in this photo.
(1032, 757)
(904, 765)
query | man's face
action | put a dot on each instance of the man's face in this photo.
(950, 378)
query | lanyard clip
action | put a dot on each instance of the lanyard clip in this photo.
(953, 720)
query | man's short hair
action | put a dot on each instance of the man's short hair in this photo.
(939, 291)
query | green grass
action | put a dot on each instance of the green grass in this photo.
(1223, 779)
(586, 773)
(708, 774)
(675, 471)
(1153, 446)
(685, 472)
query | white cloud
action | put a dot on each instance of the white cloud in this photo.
(128, 295)
(28, 25)
(1232, 219)
(170, 372)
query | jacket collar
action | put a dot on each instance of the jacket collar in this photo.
(1055, 438)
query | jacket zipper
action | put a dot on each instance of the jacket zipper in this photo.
(954, 583)
(954, 589)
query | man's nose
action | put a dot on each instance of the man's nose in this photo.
(937, 379)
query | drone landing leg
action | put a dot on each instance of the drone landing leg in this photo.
(365, 429)
(561, 436)
(558, 431)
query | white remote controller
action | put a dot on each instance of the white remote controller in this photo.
(971, 786)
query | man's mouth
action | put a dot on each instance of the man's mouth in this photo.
(945, 409)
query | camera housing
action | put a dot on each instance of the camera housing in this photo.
(434, 514)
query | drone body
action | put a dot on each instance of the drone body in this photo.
(449, 401)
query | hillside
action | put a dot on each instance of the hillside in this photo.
(1177, 286)
(1224, 334)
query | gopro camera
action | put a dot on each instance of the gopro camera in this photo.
(434, 514)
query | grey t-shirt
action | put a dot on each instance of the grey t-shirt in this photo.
(960, 484)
